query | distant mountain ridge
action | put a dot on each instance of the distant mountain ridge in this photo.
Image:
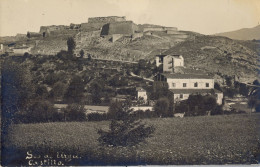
(243, 34)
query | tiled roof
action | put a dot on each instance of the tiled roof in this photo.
(186, 76)
(185, 70)
(140, 89)
(163, 55)
(194, 91)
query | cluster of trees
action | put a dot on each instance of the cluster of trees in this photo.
(197, 105)
(145, 68)
(23, 100)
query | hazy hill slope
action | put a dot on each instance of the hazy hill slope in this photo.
(243, 34)
(125, 48)
(220, 54)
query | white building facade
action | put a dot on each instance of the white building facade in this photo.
(183, 85)
(141, 93)
(169, 62)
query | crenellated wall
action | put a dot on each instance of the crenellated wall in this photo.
(109, 19)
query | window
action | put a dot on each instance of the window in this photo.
(184, 84)
(207, 85)
(173, 85)
(196, 84)
(181, 96)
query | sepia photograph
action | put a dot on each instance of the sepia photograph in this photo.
(130, 82)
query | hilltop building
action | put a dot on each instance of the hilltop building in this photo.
(183, 84)
(169, 62)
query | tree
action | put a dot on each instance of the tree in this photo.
(58, 91)
(75, 112)
(28, 35)
(228, 81)
(75, 92)
(71, 45)
(217, 86)
(18, 89)
(81, 53)
(41, 92)
(96, 90)
(89, 57)
(41, 111)
(162, 107)
(254, 96)
(124, 130)
(199, 105)
(160, 89)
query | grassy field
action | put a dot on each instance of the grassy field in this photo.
(192, 140)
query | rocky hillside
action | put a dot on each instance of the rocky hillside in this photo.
(126, 48)
(243, 34)
(221, 55)
(213, 54)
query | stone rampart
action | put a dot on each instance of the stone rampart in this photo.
(91, 26)
(109, 19)
(159, 29)
(53, 28)
(126, 28)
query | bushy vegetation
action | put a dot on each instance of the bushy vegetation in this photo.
(197, 105)
(74, 112)
(124, 129)
(71, 44)
(40, 111)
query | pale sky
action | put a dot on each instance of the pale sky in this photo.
(203, 16)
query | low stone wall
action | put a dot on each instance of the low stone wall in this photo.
(159, 29)
(173, 32)
(137, 35)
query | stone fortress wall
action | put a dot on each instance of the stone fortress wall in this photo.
(109, 19)
(160, 29)
(123, 27)
(108, 26)
(53, 28)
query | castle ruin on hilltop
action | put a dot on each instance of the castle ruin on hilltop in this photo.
(111, 26)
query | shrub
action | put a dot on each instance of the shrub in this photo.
(97, 117)
(41, 91)
(52, 78)
(81, 53)
(75, 112)
(161, 107)
(71, 44)
(125, 130)
(58, 90)
(40, 111)
(75, 90)
(197, 105)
